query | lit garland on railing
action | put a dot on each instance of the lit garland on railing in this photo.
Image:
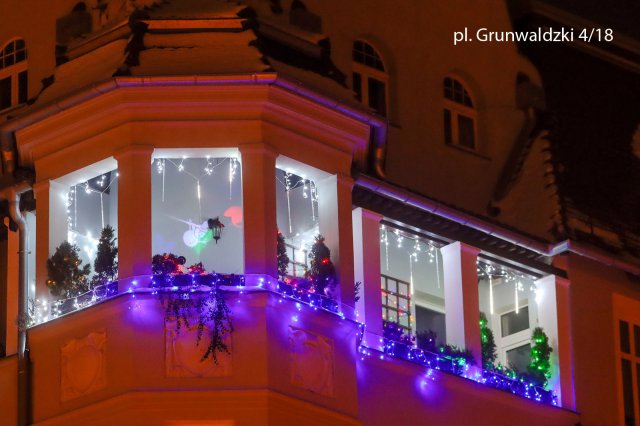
(187, 284)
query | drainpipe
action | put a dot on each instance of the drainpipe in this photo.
(12, 194)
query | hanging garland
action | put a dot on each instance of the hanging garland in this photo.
(210, 308)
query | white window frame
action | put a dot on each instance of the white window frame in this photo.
(512, 341)
(628, 310)
(366, 73)
(13, 71)
(456, 110)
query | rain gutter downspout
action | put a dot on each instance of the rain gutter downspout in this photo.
(541, 248)
(12, 195)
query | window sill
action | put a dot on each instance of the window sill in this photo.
(468, 151)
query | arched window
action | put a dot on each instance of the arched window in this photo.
(460, 116)
(369, 77)
(13, 74)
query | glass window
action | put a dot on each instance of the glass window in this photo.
(627, 393)
(369, 77)
(459, 115)
(514, 322)
(519, 358)
(625, 344)
(13, 74)
(5, 93)
(190, 196)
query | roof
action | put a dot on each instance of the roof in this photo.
(592, 91)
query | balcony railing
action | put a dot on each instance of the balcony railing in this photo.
(190, 283)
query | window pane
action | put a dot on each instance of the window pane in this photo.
(357, 85)
(625, 344)
(513, 323)
(447, 126)
(519, 358)
(636, 339)
(5, 93)
(377, 96)
(466, 133)
(627, 393)
(22, 87)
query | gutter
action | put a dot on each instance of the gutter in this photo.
(12, 194)
(8, 128)
(544, 249)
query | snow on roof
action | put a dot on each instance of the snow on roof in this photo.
(200, 53)
(196, 9)
(95, 66)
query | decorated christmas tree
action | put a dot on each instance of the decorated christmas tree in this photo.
(106, 264)
(540, 367)
(67, 276)
(283, 258)
(488, 342)
(321, 274)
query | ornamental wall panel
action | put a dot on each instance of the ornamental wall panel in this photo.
(183, 353)
(83, 365)
(312, 361)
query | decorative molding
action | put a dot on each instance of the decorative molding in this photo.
(312, 361)
(183, 356)
(83, 365)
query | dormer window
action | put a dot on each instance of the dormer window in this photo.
(460, 116)
(369, 77)
(13, 74)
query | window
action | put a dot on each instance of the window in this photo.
(510, 300)
(369, 77)
(459, 115)
(13, 74)
(410, 281)
(396, 302)
(629, 350)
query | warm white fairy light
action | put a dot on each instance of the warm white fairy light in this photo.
(491, 294)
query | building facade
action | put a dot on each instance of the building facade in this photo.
(323, 213)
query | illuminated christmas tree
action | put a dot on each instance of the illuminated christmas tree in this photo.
(106, 264)
(540, 367)
(322, 273)
(283, 258)
(488, 342)
(67, 276)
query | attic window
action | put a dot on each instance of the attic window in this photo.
(370, 80)
(13, 74)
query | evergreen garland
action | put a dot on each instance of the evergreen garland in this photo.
(283, 258)
(209, 308)
(67, 276)
(322, 273)
(106, 264)
(540, 367)
(488, 342)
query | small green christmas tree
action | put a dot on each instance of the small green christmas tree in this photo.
(67, 278)
(106, 264)
(322, 273)
(488, 342)
(540, 367)
(283, 258)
